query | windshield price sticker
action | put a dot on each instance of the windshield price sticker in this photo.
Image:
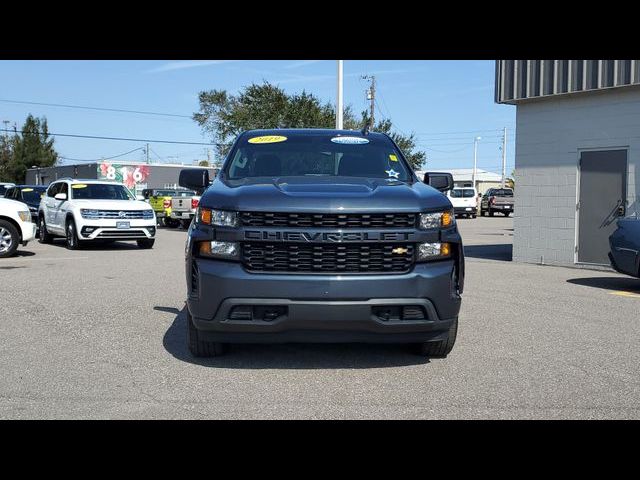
(27, 189)
(268, 139)
(393, 158)
(350, 140)
(79, 185)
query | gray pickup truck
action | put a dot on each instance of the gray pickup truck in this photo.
(316, 235)
(497, 200)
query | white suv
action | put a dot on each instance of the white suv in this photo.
(15, 226)
(91, 210)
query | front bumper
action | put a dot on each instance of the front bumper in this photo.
(108, 229)
(27, 232)
(332, 308)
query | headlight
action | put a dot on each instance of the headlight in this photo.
(88, 213)
(25, 216)
(220, 218)
(433, 251)
(228, 250)
(436, 220)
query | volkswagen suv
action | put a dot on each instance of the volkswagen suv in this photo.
(88, 210)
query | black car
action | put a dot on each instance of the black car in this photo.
(624, 244)
(318, 235)
(29, 194)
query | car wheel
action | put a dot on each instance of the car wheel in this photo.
(481, 212)
(201, 348)
(441, 348)
(9, 239)
(491, 212)
(72, 236)
(506, 214)
(185, 224)
(473, 216)
(43, 235)
(146, 243)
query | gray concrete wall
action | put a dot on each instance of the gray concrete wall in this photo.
(550, 133)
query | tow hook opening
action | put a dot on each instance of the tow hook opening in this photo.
(267, 313)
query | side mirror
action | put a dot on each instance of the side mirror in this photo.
(439, 181)
(61, 196)
(141, 198)
(194, 179)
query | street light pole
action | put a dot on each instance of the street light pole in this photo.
(475, 160)
(339, 103)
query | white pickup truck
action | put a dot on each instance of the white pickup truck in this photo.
(16, 226)
(183, 209)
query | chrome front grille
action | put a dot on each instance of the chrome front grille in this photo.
(117, 214)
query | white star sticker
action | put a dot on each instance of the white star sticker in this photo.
(392, 173)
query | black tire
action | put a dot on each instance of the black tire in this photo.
(491, 212)
(473, 216)
(441, 348)
(201, 348)
(9, 239)
(43, 235)
(481, 212)
(185, 224)
(170, 222)
(146, 243)
(506, 214)
(71, 237)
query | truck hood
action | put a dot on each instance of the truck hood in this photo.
(322, 195)
(112, 204)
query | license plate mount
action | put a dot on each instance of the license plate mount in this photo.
(123, 225)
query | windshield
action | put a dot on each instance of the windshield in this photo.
(316, 155)
(503, 192)
(100, 191)
(32, 194)
(462, 193)
(3, 189)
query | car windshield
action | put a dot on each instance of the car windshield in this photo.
(3, 189)
(32, 194)
(327, 155)
(462, 193)
(100, 191)
(503, 192)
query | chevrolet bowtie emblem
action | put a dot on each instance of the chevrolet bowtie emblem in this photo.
(399, 250)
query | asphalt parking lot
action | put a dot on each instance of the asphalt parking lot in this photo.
(100, 333)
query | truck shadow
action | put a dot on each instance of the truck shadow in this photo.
(97, 245)
(626, 284)
(500, 251)
(289, 356)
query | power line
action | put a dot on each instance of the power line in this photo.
(103, 158)
(83, 107)
(96, 137)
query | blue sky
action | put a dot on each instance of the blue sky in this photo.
(446, 103)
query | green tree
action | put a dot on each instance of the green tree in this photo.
(6, 154)
(203, 163)
(32, 146)
(224, 116)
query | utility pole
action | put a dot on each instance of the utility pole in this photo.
(504, 156)
(6, 127)
(147, 152)
(339, 102)
(371, 96)
(475, 160)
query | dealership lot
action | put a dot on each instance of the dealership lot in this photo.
(100, 333)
